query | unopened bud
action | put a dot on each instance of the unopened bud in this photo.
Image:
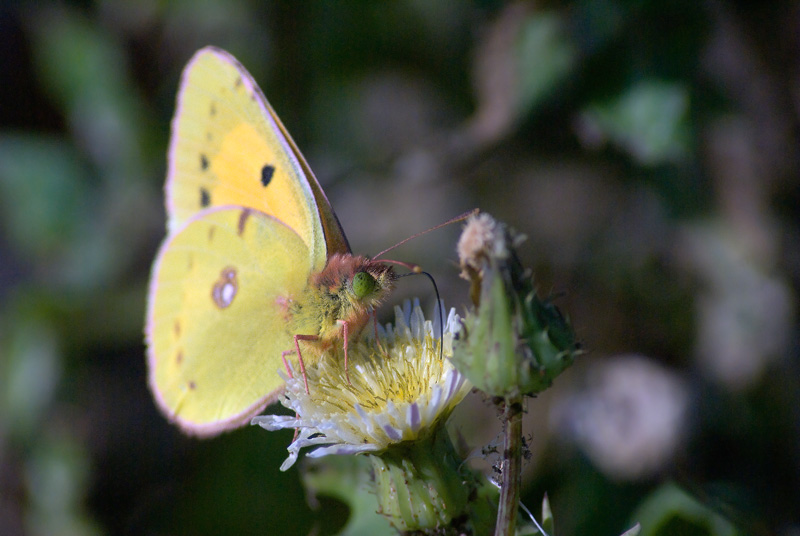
(420, 486)
(515, 343)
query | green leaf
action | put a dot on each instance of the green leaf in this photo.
(43, 193)
(649, 121)
(633, 531)
(347, 478)
(548, 523)
(85, 72)
(670, 510)
(546, 57)
(57, 473)
(29, 374)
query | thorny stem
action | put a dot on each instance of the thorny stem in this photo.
(511, 468)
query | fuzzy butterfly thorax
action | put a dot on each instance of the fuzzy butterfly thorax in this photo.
(340, 293)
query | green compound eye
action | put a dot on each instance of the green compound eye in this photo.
(363, 284)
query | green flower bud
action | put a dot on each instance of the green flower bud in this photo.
(420, 487)
(515, 343)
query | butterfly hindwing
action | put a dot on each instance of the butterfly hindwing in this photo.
(216, 316)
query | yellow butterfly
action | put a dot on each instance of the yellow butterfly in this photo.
(254, 262)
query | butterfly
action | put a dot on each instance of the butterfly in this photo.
(255, 267)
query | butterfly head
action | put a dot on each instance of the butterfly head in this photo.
(371, 282)
(359, 283)
(363, 284)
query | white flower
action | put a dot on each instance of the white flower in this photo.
(745, 313)
(396, 393)
(630, 419)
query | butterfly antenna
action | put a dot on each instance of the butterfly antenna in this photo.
(439, 306)
(414, 267)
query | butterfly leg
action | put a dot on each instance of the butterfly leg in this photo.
(286, 363)
(345, 331)
(289, 371)
(298, 338)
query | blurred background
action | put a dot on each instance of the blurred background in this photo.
(648, 150)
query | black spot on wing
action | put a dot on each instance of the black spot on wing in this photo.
(205, 198)
(266, 174)
(203, 162)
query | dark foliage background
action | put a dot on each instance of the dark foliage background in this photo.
(649, 151)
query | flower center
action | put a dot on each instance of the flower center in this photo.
(400, 372)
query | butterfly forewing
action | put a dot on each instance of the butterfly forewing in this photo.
(227, 149)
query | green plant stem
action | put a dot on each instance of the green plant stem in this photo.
(511, 468)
